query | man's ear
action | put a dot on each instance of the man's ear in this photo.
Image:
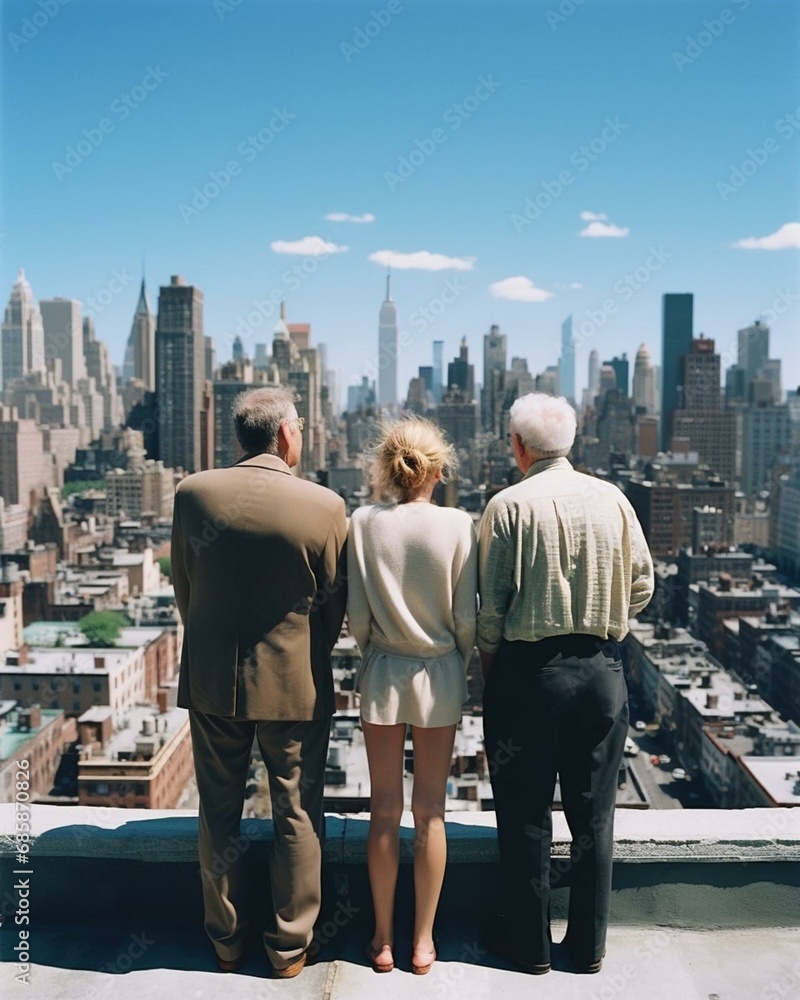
(284, 440)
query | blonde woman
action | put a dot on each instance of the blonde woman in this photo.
(412, 579)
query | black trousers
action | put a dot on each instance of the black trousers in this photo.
(558, 707)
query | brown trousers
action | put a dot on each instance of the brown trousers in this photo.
(294, 754)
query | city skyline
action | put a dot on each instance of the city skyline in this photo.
(665, 186)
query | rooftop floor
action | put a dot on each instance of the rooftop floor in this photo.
(92, 962)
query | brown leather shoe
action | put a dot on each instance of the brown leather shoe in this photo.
(292, 970)
(230, 964)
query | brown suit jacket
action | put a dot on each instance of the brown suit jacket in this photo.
(257, 567)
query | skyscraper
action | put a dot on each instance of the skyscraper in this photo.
(701, 376)
(22, 348)
(180, 373)
(387, 349)
(766, 437)
(754, 365)
(438, 370)
(457, 414)
(100, 368)
(210, 351)
(593, 387)
(677, 331)
(566, 363)
(24, 467)
(63, 337)
(461, 374)
(140, 354)
(644, 382)
(753, 349)
(709, 429)
(494, 370)
(621, 372)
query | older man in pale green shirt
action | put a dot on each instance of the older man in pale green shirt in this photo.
(563, 565)
(560, 552)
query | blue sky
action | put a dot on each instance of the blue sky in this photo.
(647, 108)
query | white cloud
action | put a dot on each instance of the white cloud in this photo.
(785, 238)
(310, 246)
(572, 284)
(576, 284)
(421, 260)
(604, 229)
(345, 217)
(519, 289)
(593, 216)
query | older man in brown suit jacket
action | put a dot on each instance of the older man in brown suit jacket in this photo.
(256, 563)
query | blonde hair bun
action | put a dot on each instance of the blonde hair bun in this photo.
(408, 453)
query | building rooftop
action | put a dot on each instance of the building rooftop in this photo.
(124, 558)
(135, 636)
(772, 591)
(72, 661)
(12, 737)
(728, 697)
(142, 724)
(780, 776)
(789, 642)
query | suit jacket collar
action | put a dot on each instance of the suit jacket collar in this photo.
(265, 461)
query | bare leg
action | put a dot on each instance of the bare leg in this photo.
(433, 752)
(385, 755)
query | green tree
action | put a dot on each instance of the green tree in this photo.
(82, 486)
(102, 628)
(166, 567)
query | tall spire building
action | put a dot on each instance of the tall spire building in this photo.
(140, 354)
(22, 337)
(387, 349)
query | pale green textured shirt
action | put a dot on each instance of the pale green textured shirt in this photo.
(560, 553)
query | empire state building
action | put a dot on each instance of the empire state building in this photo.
(387, 350)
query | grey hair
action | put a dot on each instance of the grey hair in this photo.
(257, 415)
(546, 424)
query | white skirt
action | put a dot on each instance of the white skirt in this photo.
(419, 692)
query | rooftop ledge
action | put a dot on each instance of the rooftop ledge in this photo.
(705, 904)
(652, 837)
(670, 865)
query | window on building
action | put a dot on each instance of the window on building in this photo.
(101, 788)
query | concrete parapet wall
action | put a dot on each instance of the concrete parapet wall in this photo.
(684, 868)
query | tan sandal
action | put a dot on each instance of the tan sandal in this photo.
(423, 970)
(371, 954)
